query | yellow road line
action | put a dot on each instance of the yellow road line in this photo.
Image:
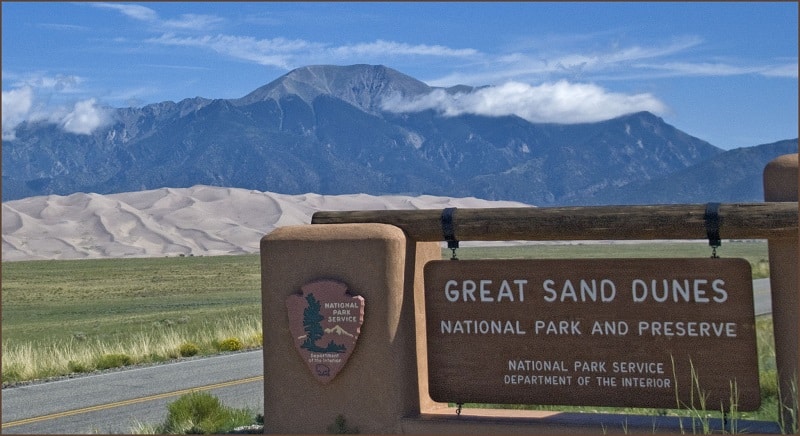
(131, 401)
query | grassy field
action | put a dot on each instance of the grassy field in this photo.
(79, 312)
(69, 316)
(111, 298)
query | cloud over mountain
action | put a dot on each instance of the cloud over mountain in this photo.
(17, 104)
(558, 102)
(30, 100)
(85, 117)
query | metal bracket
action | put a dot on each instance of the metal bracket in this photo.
(449, 231)
(713, 223)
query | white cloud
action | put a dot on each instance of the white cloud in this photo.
(577, 65)
(789, 70)
(272, 52)
(59, 82)
(706, 69)
(17, 104)
(85, 117)
(677, 45)
(193, 22)
(718, 69)
(28, 101)
(291, 53)
(66, 27)
(142, 13)
(549, 62)
(381, 47)
(136, 12)
(554, 102)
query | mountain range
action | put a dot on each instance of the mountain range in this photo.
(330, 130)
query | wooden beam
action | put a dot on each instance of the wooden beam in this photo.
(676, 221)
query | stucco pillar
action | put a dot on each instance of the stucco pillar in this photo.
(781, 184)
(378, 384)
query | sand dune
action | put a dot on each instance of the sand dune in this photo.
(201, 220)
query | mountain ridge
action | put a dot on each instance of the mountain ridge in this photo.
(322, 129)
(732, 176)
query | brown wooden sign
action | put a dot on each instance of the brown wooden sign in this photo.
(660, 333)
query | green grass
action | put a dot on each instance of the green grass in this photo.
(113, 299)
(65, 316)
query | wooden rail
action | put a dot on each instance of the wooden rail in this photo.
(767, 220)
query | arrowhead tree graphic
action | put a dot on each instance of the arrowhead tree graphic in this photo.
(325, 322)
(314, 331)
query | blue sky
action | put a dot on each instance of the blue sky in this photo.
(724, 72)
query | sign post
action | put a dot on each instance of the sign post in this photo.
(659, 333)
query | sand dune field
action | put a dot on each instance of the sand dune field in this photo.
(201, 220)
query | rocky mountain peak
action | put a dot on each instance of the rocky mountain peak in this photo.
(363, 86)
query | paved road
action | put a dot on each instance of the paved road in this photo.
(761, 296)
(115, 402)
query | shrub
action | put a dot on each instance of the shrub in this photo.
(74, 366)
(155, 357)
(107, 361)
(230, 344)
(193, 411)
(769, 383)
(189, 349)
(202, 413)
(12, 374)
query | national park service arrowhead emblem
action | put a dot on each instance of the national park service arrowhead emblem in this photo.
(325, 322)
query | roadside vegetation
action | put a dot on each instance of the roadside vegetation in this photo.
(44, 359)
(78, 316)
(203, 413)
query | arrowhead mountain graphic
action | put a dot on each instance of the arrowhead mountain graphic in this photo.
(338, 330)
